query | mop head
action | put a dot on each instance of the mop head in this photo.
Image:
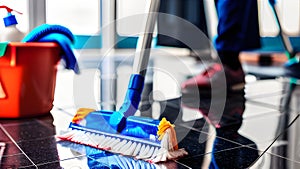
(143, 138)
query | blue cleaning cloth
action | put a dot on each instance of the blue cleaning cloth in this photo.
(37, 33)
(59, 34)
(68, 54)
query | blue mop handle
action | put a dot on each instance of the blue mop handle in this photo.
(136, 83)
(130, 104)
(142, 53)
(133, 95)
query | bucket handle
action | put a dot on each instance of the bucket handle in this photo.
(13, 56)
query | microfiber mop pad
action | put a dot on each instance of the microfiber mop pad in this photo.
(59, 34)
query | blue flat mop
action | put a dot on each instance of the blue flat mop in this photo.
(120, 131)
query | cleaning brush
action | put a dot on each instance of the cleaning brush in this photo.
(120, 131)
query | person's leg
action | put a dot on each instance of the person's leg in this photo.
(237, 31)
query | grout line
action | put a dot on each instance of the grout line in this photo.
(286, 158)
(10, 137)
(263, 115)
(265, 151)
(231, 141)
(183, 164)
(262, 104)
(65, 111)
(264, 95)
(239, 145)
(224, 150)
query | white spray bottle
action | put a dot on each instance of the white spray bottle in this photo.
(11, 33)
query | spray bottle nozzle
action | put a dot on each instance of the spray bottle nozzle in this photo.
(9, 10)
(9, 19)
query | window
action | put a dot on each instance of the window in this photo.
(129, 16)
(289, 17)
(80, 17)
(84, 19)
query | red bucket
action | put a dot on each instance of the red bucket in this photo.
(27, 79)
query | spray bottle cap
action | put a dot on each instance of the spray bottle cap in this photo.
(9, 19)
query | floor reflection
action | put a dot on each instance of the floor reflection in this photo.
(226, 154)
(96, 159)
(262, 133)
(230, 149)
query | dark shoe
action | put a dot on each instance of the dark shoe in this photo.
(215, 77)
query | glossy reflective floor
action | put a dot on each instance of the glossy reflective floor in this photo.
(257, 128)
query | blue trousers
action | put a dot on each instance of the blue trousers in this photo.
(238, 27)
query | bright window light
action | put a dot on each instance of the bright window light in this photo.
(80, 16)
(129, 16)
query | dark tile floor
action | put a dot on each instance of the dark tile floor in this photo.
(257, 129)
